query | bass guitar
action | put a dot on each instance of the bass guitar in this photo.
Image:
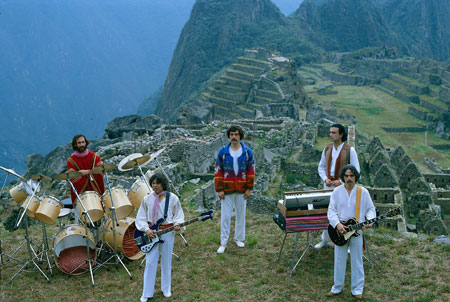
(353, 226)
(145, 244)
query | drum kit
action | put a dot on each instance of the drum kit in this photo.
(103, 222)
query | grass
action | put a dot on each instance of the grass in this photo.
(405, 270)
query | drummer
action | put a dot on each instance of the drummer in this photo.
(83, 160)
(153, 208)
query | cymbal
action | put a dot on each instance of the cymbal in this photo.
(67, 175)
(11, 171)
(40, 177)
(105, 167)
(137, 161)
(126, 159)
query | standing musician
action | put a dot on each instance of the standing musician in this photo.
(335, 156)
(345, 202)
(152, 209)
(233, 181)
(83, 160)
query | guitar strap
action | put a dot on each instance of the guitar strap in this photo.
(358, 211)
(166, 206)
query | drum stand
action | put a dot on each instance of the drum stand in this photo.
(30, 251)
(114, 222)
(45, 248)
(27, 238)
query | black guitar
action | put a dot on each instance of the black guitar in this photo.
(353, 226)
(145, 243)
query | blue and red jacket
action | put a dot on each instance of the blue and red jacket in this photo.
(224, 177)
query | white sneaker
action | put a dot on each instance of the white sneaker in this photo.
(320, 245)
(240, 243)
(167, 295)
(221, 249)
(143, 299)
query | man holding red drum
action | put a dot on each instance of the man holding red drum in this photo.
(83, 160)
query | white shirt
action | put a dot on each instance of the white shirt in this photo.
(322, 169)
(342, 206)
(175, 213)
(235, 155)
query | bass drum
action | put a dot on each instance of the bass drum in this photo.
(70, 250)
(34, 205)
(121, 202)
(49, 210)
(124, 238)
(137, 192)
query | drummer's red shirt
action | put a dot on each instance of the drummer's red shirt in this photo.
(84, 183)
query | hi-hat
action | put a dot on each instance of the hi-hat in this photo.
(67, 175)
(40, 177)
(106, 167)
(11, 171)
(136, 162)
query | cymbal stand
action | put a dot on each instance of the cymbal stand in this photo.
(3, 186)
(89, 260)
(45, 248)
(28, 204)
(30, 257)
(114, 222)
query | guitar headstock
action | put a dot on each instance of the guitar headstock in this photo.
(206, 215)
(394, 212)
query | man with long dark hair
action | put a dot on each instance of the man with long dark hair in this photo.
(233, 181)
(151, 210)
(349, 201)
(335, 156)
(83, 160)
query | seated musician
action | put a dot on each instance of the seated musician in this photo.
(344, 205)
(83, 160)
(151, 210)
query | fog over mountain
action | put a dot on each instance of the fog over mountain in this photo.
(71, 66)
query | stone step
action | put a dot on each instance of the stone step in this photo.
(235, 82)
(238, 97)
(239, 74)
(270, 94)
(264, 100)
(253, 62)
(254, 105)
(220, 101)
(248, 68)
(228, 88)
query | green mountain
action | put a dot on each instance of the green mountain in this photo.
(423, 25)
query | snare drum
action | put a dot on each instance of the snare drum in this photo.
(137, 192)
(124, 238)
(92, 202)
(19, 193)
(49, 210)
(34, 205)
(70, 249)
(121, 202)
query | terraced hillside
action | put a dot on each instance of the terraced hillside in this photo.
(398, 106)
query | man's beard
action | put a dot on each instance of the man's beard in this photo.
(80, 149)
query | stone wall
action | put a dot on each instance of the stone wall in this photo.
(439, 180)
(383, 195)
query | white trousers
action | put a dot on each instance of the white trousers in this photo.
(356, 263)
(151, 264)
(236, 201)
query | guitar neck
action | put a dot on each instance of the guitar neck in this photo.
(170, 229)
(361, 224)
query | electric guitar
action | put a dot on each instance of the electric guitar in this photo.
(145, 243)
(353, 226)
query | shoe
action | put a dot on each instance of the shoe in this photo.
(320, 245)
(331, 294)
(357, 297)
(167, 295)
(221, 249)
(143, 299)
(240, 243)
